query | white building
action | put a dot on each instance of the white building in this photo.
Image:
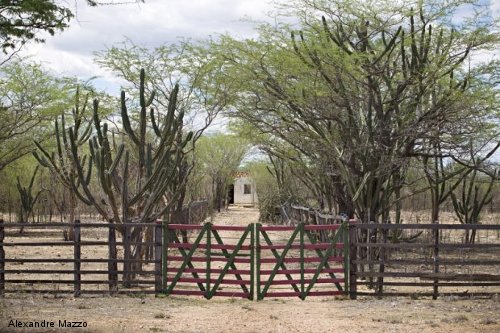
(243, 191)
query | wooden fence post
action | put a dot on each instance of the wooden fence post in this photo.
(77, 258)
(127, 262)
(352, 257)
(112, 263)
(158, 238)
(2, 258)
(435, 293)
(383, 257)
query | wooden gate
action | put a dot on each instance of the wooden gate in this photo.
(219, 262)
(256, 260)
(309, 263)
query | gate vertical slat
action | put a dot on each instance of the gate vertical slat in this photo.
(302, 287)
(158, 257)
(208, 293)
(352, 257)
(165, 243)
(258, 227)
(252, 261)
(345, 232)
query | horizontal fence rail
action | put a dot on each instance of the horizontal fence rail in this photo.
(37, 261)
(424, 259)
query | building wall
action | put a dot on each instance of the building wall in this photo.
(240, 198)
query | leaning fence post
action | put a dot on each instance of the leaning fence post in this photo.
(112, 263)
(158, 258)
(2, 259)
(77, 258)
(352, 258)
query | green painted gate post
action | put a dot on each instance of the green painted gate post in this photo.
(345, 233)
(302, 287)
(166, 240)
(208, 292)
(257, 260)
(252, 261)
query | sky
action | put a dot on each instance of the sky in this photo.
(151, 23)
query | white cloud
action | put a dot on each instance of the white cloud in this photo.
(152, 23)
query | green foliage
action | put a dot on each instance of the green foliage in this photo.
(22, 21)
(217, 158)
(351, 99)
(29, 99)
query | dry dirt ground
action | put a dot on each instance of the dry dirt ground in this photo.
(194, 314)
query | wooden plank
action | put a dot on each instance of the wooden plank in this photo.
(441, 284)
(175, 226)
(88, 292)
(317, 246)
(277, 228)
(460, 277)
(203, 270)
(204, 259)
(77, 257)
(424, 294)
(426, 261)
(429, 245)
(306, 270)
(297, 281)
(188, 246)
(112, 265)
(435, 292)
(70, 271)
(231, 294)
(352, 258)
(65, 225)
(313, 227)
(65, 243)
(228, 228)
(71, 281)
(2, 258)
(431, 226)
(158, 237)
(72, 260)
(331, 258)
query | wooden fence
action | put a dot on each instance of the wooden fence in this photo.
(424, 260)
(194, 213)
(94, 263)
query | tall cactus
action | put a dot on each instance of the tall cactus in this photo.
(28, 200)
(159, 175)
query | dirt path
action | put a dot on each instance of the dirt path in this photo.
(195, 314)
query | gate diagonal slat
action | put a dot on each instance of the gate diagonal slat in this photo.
(323, 262)
(209, 280)
(187, 259)
(280, 262)
(320, 254)
(323, 257)
(227, 254)
(189, 264)
(230, 262)
(242, 277)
